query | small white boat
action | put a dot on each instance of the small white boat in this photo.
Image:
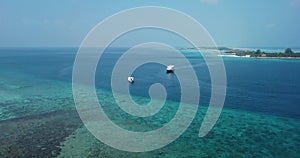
(130, 79)
(170, 68)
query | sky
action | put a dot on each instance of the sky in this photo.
(231, 23)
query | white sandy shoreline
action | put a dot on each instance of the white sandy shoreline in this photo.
(236, 56)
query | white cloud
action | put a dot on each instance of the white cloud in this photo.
(295, 3)
(269, 26)
(210, 1)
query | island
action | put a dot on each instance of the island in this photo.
(288, 53)
(250, 53)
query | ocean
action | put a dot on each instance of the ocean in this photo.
(38, 118)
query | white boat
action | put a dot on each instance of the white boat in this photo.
(170, 68)
(130, 79)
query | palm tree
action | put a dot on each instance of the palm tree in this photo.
(288, 51)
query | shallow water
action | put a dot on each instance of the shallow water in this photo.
(39, 119)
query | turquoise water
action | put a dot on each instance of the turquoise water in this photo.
(38, 116)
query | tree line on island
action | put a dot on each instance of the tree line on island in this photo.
(258, 53)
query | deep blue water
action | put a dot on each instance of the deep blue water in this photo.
(38, 116)
(268, 86)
